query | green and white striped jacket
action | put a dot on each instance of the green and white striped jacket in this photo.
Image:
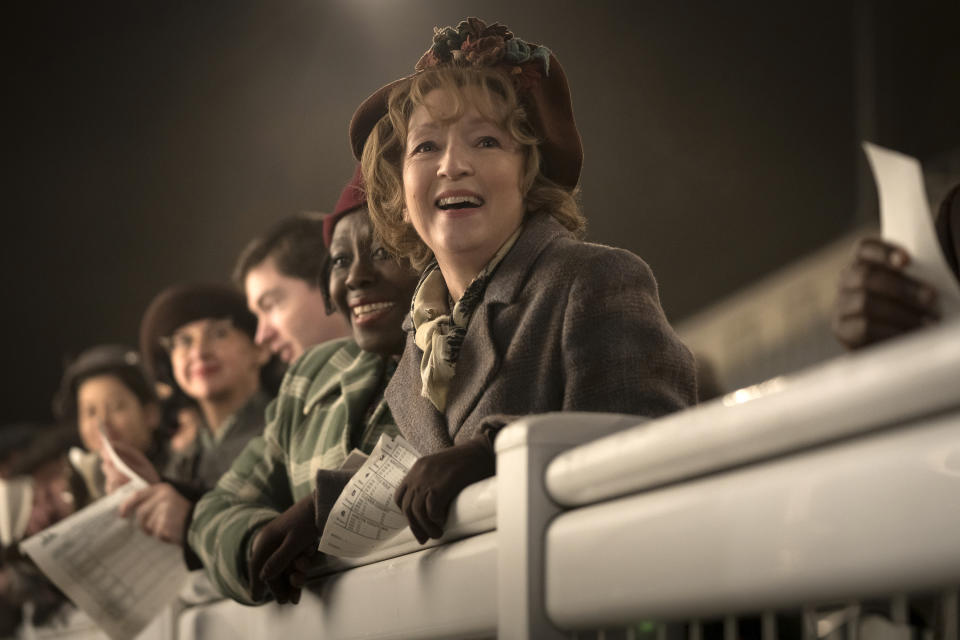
(323, 411)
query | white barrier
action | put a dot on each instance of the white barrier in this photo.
(835, 485)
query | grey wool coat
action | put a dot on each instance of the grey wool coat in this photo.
(564, 325)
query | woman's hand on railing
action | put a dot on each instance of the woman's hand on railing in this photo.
(877, 299)
(277, 547)
(435, 480)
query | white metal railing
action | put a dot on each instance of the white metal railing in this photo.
(816, 496)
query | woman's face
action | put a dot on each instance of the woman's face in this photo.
(213, 360)
(369, 286)
(105, 400)
(461, 181)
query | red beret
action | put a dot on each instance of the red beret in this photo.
(540, 81)
(352, 197)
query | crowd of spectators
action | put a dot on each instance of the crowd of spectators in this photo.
(448, 292)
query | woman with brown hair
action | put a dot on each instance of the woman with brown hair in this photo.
(472, 166)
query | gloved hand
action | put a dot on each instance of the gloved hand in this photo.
(877, 299)
(291, 535)
(435, 480)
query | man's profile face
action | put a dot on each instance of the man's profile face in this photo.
(291, 315)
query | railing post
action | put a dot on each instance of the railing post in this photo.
(524, 510)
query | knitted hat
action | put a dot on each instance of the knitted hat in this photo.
(540, 81)
(352, 197)
(123, 362)
(180, 305)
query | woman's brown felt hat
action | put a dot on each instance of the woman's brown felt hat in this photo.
(181, 304)
(536, 72)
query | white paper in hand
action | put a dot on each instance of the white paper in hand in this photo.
(110, 453)
(118, 575)
(905, 220)
(365, 516)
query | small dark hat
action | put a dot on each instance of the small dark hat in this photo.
(353, 197)
(184, 303)
(114, 359)
(536, 73)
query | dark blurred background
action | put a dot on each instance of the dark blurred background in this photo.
(150, 140)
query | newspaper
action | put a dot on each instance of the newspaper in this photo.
(906, 220)
(365, 516)
(118, 575)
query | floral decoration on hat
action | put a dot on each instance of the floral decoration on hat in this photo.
(474, 43)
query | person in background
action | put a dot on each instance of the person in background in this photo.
(472, 166)
(41, 489)
(877, 300)
(199, 339)
(270, 508)
(280, 272)
(106, 386)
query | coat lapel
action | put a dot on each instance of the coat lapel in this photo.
(416, 417)
(480, 356)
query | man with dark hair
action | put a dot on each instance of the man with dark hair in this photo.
(280, 272)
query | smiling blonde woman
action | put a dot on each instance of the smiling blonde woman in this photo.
(472, 166)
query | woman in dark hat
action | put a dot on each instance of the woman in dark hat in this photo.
(199, 339)
(472, 166)
(272, 504)
(107, 387)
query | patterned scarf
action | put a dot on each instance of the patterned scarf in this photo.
(439, 332)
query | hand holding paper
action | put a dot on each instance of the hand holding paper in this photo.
(122, 463)
(901, 283)
(906, 221)
(365, 515)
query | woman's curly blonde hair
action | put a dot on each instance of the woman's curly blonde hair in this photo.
(494, 96)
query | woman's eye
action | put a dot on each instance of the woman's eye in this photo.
(380, 254)
(424, 147)
(488, 142)
(339, 262)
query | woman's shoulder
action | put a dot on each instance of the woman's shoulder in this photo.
(333, 355)
(321, 355)
(578, 260)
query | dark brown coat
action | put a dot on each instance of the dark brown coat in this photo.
(564, 325)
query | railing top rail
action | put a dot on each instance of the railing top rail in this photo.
(887, 385)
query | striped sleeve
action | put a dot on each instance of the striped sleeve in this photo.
(253, 492)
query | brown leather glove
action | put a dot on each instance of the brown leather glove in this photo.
(877, 300)
(277, 546)
(435, 480)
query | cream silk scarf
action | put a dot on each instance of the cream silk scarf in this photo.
(439, 332)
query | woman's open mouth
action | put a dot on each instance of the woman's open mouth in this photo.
(458, 202)
(369, 312)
